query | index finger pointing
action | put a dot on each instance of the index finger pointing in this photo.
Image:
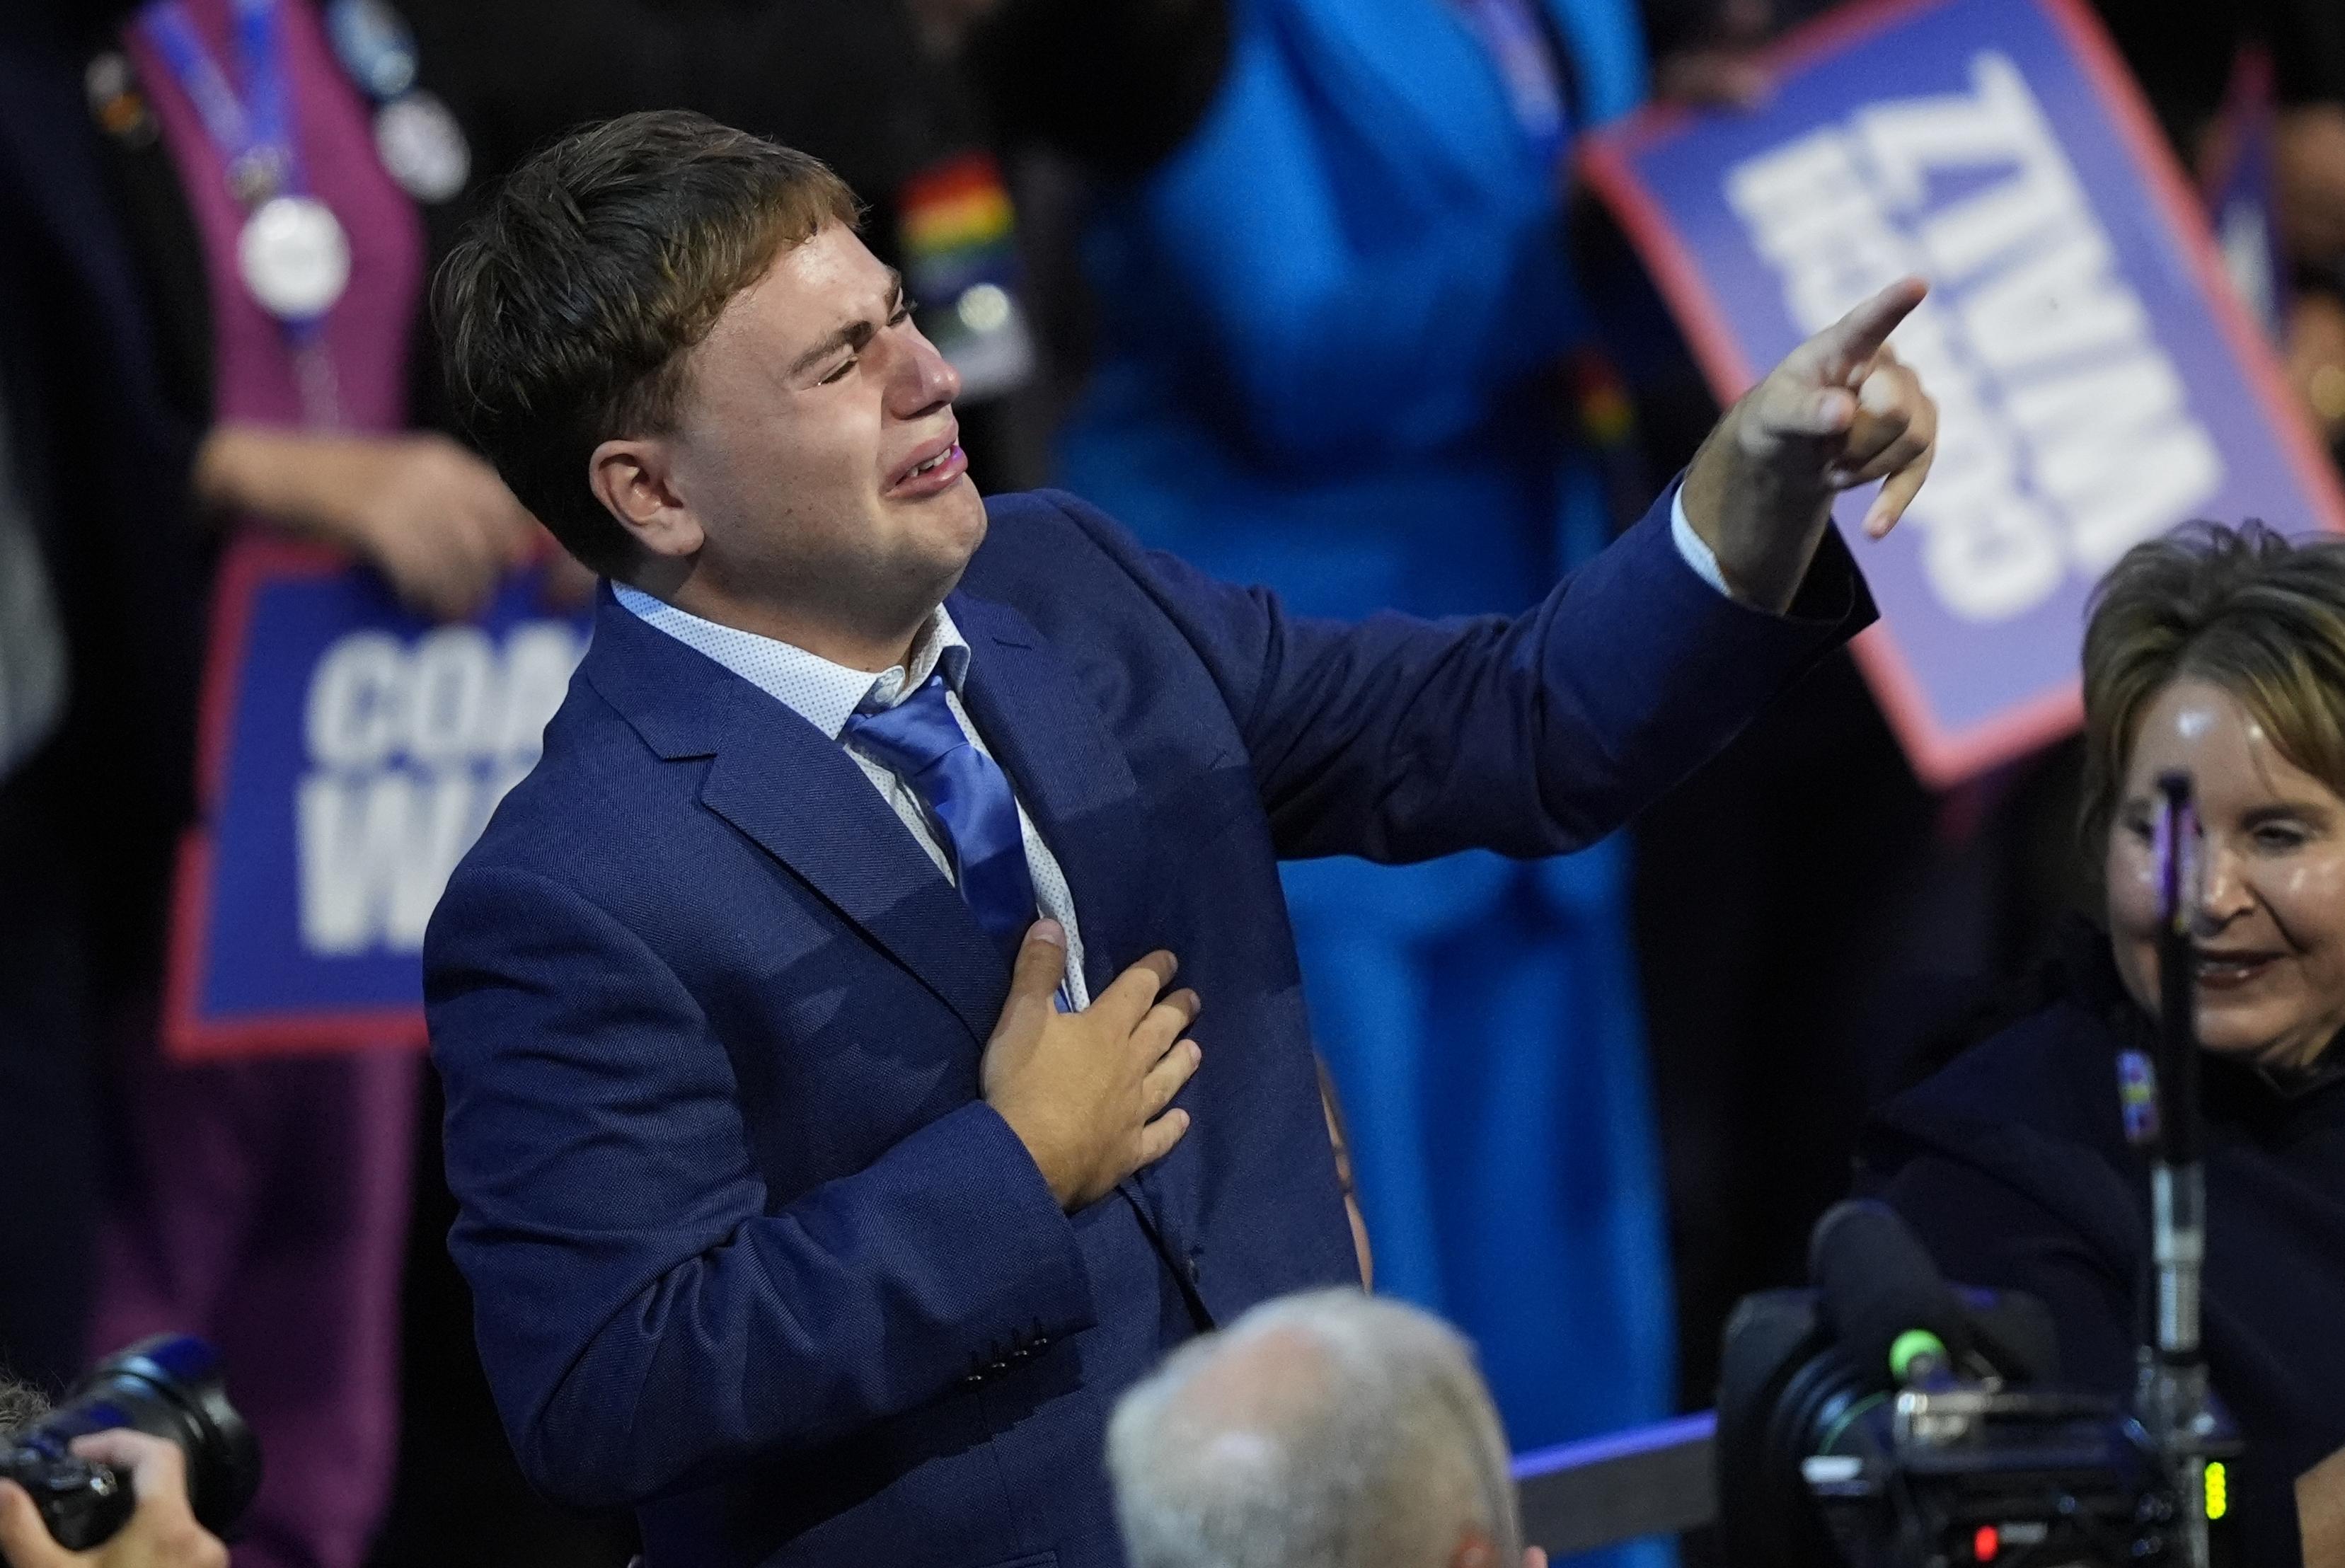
(1850, 343)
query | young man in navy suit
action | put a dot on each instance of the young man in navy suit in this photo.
(831, 1148)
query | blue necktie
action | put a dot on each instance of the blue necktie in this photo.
(967, 795)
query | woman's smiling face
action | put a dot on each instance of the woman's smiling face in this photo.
(2270, 920)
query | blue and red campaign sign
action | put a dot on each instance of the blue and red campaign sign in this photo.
(351, 753)
(2097, 381)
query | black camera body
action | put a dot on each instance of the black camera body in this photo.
(82, 1504)
(1823, 1460)
(168, 1387)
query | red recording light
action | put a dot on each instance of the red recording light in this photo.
(1986, 1543)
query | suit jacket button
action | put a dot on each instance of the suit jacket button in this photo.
(1196, 1270)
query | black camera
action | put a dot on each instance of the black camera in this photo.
(168, 1387)
(1888, 1420)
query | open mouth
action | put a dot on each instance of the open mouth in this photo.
(934, 464)
(2225, 971)
(934, 467)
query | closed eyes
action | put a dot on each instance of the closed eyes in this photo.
(904, 308)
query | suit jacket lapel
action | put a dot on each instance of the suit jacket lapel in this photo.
(798, 795)
(1049, 736)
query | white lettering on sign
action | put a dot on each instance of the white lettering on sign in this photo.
(2065, 435)
(411, 746)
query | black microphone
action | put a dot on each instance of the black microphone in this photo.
(1883, 1293)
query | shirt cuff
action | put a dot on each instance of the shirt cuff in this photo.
(1697, 554)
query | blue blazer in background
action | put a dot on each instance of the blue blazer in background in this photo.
(1322, 321)
(748, 1250)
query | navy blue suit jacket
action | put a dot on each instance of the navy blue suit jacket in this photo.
(749, 1251)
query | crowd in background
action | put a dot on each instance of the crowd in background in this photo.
(1299, 290)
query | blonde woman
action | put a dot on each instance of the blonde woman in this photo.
(2220, 652)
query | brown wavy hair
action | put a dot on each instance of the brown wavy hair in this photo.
(2244, 609)
(568, 311)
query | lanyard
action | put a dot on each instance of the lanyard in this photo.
(254, 132)
(292, 252)
(1511, 32)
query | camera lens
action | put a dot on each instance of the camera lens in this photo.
(169, 1387)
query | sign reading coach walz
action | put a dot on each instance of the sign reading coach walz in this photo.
(2096, 381)
(351, 753)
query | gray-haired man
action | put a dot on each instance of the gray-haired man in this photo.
(1328, 1429)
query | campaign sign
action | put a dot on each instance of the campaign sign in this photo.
(351, 752)
(2097, 382)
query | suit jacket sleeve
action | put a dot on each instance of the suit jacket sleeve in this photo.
(649, 1318)
(1400, 739)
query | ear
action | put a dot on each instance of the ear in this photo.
(635, 482)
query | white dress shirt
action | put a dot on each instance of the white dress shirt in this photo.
(1690, 545)
(827, 695)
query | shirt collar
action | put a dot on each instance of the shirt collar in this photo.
(824, 694)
